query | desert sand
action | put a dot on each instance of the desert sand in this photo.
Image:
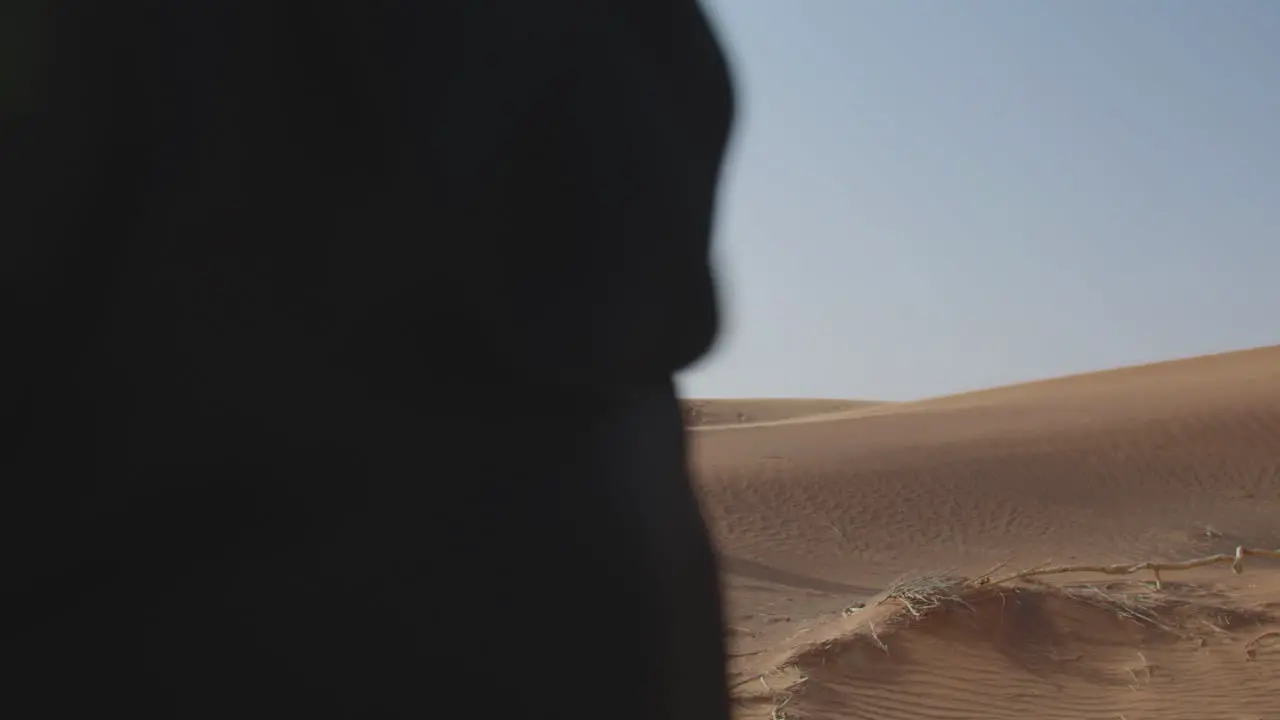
(866, 547)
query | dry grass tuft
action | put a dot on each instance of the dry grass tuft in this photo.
(782, 696)
(1143, 608)
(922, 594)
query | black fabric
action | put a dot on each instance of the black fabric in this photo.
(342, 337)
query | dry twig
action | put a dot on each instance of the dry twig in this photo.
(1236, 561)
(1251, 648)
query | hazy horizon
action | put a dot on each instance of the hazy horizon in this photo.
(925, 198)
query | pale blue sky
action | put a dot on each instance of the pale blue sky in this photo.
(932, 196)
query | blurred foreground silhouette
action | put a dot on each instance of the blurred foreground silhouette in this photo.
(343, 339)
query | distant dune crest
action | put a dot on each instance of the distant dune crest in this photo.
(718, 413)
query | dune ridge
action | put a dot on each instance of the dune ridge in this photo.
(710, 414)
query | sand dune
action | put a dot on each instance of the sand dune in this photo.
(765, 411)
(1165, 461)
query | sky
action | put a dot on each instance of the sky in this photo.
(925, 197)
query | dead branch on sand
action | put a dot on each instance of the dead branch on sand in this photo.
(1236, 561)
(919, 595)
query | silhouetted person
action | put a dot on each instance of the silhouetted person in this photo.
(340, 342)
